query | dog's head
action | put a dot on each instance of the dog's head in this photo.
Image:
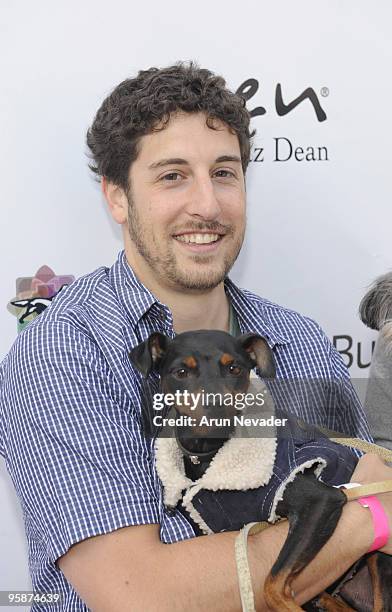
(211, 365)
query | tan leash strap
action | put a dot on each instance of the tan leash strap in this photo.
(365, 447)
(243, 571)
(374, 488)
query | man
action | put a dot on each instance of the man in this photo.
(171, 147)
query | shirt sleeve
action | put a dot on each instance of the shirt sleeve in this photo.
(2, 420)
(73, 442)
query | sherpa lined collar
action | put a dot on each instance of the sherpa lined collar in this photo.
(240, 464)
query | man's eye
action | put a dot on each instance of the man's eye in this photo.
(235, 370)
(224, 173)
(172, 176)
(180, 373)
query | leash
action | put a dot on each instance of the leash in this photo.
(373, 488)
(362, 445)
(241, 541)
(367, 490)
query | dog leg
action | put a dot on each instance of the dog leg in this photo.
(377, 594)
(313, 510)
(333, 604)
(384, 566)
(380, 569)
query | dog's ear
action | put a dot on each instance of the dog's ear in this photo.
(148, 354)
(258, 350)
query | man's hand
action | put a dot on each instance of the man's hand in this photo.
(371, 468)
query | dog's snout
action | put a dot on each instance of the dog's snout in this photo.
(211, 405)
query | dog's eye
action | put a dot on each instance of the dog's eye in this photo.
(235, 370)
(180, 373)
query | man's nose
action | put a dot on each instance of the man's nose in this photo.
(203, 201)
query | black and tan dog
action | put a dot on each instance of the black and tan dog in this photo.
(222, 482)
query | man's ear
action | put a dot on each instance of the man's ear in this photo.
(117, 200)
(148, 354)
(258, 350)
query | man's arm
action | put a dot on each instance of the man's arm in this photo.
(130, 569)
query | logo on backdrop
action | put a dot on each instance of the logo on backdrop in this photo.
(35, 293)
(283, 149)
(354, 353)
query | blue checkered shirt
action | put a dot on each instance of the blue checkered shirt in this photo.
(70, 422)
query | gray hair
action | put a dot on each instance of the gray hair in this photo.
(375, 308)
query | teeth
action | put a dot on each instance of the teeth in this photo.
(198, 238)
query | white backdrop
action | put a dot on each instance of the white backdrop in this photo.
(318, 231)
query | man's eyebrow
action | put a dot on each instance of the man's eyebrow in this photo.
(178, 161)
(172, 161)
(228, 158)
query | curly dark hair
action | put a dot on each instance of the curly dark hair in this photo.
(145, 103)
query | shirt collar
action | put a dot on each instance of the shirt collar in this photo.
(137, 301)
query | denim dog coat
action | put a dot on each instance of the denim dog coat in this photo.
(247, 477)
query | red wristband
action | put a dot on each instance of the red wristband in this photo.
(380, 521)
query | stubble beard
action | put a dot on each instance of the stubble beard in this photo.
(165, 266)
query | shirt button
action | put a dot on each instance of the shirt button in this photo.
(170, 511)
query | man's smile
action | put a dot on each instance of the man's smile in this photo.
(199, 242)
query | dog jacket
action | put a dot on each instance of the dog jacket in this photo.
(247, 477)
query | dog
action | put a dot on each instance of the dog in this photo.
(230, 481)
(375, 310)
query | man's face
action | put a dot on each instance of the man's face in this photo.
(186, 204)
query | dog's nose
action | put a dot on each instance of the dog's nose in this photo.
(211, 405)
